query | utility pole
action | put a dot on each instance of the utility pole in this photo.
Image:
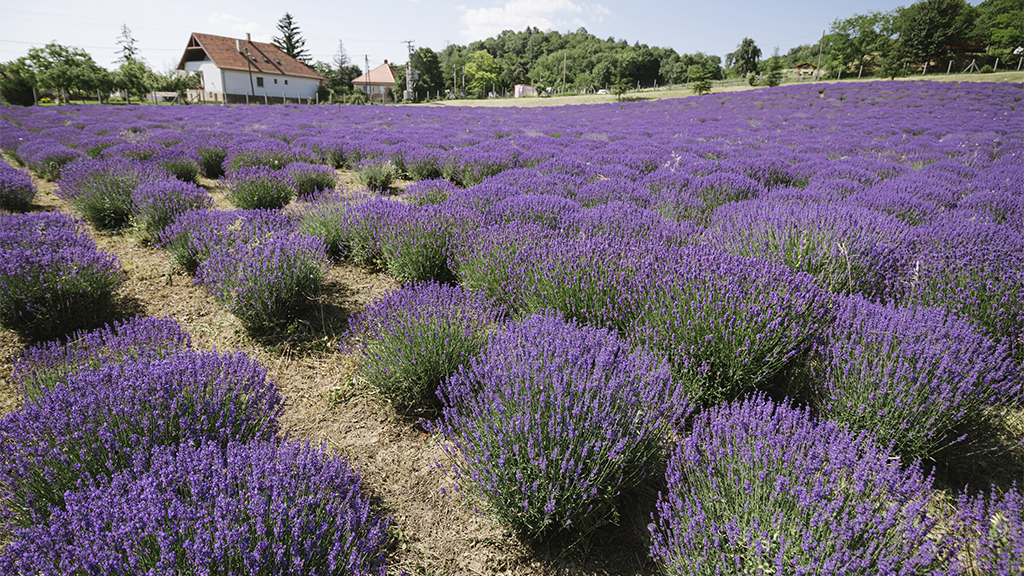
(366, 83)
(821, 45)
(408, 96)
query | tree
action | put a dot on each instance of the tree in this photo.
(774, 77)
(482, 72)
(291, 41)
(16, 82)
(176, 81)
(929, 29)
(341, 59)
(127, 43)
(133, 75)
(60, 67)
(427, 65)
(862, 36)
(1000, 24)
(744, 59)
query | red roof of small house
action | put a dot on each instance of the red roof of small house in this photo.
(381, 75)
(262, 57)
(805, 64)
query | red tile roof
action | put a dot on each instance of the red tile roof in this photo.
(264, 58)
(383, 74)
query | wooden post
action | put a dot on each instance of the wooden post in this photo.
(265, 101)
(98, 99)
(35, 97)
(925, 71)
(246, 97)
(1019, 63)
(950, 67)
(861, 71)
(821, 45)
(996, 69)
(840, 73)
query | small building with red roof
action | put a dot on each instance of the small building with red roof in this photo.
(377, 82)
(236, 70)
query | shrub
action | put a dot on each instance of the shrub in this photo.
(157, 203)
(257, 508)
(988, 533)
(211, 159)
(266, 283)
(181, 165)
(553, 421)
(918, 377)
(41, 366)
(260, 187)
(726, 324)
(761, 488)
(267, 152)
(428, 192)
(195, 234)
(415, 337)
(847, 249)
(54, 278)
(416, 245)
(376, 174)
(311, 180)
(46, 157)
(16, 189)
(96, 422)
(101, 190)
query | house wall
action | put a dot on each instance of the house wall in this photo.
(213, 79)
(237, 83)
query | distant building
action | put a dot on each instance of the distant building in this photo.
(235, 70)
(377, 82)
(806, 69)
(522, 90)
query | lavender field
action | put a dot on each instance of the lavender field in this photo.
(768, 332)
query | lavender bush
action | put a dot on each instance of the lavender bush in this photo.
(761, 488)
(41, 366)
(416, 337)
(260, 188)
(267, 152)
(988, 533)
(54, 279)
(46, 157)
(211, 159)
(257, 508)
(101, 190)
(311, 180)
(195, 234)
(416, 246)
(553, 421)
(16, 189)
(156, 203)
(920, 378)
(727, 324)
(376, 174)
(266, 283)
(93, 423)
(429, 191)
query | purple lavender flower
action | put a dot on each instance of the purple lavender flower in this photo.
(429, 191)
(156, 203)
(94, 422)
(101, 190)
(46, 157)
(267, 152)
(920, 378)
(256, 508)
(760, 487)
(267, 282)
(553, 421)
(988, 533)
(41, 366)
(195, 234)
(16, 189)
(260, 188)
(53, 278)
(415, 337)
(311, 180)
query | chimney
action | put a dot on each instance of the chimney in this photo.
(238, 44)
(385, 60)
(248, 38)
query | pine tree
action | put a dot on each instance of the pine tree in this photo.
(774, 77)
(291, 41)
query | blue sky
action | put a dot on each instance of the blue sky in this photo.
(377, 29)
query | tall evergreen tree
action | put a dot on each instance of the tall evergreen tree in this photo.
(290, 41)
(744, 59)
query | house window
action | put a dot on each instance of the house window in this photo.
(285, 82)
(259, 81)
(275, 80)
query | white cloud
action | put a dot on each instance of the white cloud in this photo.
(480, 23)
(236, 27)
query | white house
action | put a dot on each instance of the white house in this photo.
(236, 70)
(377, 82)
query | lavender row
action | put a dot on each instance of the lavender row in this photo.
(135, 453)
